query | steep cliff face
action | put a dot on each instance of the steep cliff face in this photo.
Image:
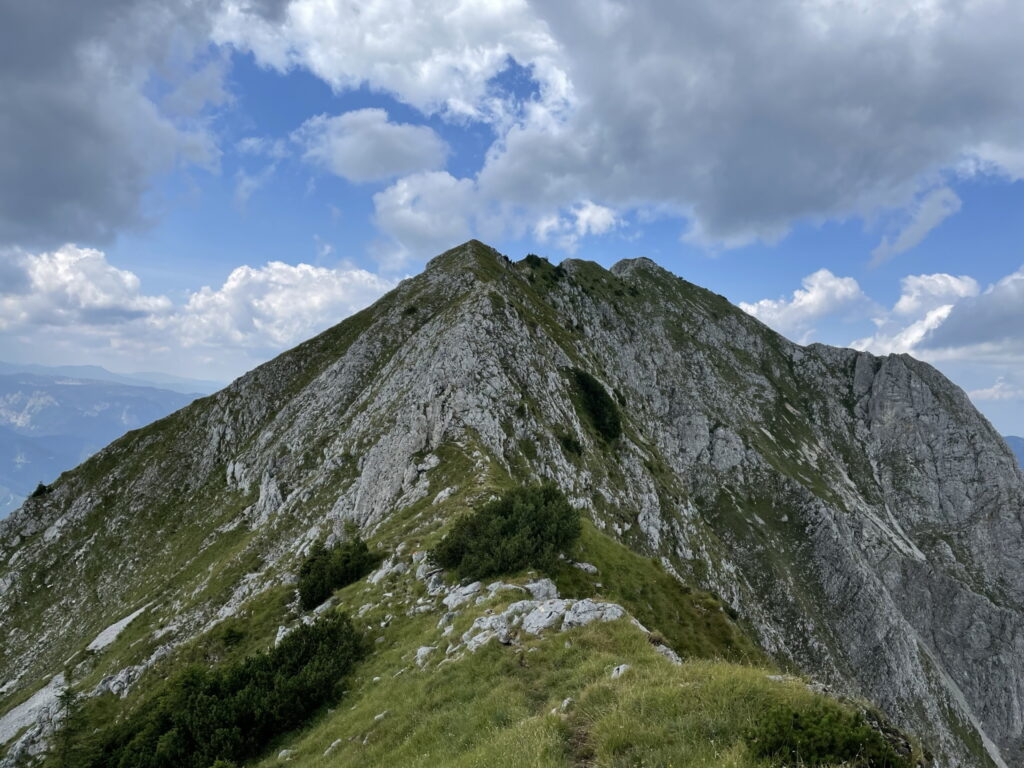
(857, 513)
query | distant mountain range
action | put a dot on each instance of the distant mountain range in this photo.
(96, 373)
(53, 418)
(1017, 446)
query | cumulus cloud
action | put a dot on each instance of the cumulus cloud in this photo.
(275, 306)
(741, 118)
(437, 57)
(422, 215)
(947, 318)
(893, 338)
(988, 325)
(73, 286)
(823, 294)
(362, 145)
(586, 218)
(926, 215)
(73, 299)
(922, 293)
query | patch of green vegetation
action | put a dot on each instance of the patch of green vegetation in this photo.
(822, 732)
(549, 703)
(542, 267)
(528, 448)
(524, 528)
(326, 570)
(692, 622)
(570, 445)
(597, 404)
(228, 712)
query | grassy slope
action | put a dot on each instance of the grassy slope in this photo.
(495, 707)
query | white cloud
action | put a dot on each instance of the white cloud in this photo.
(437, 56)
(73, 286)
(73, 305)
(924, 292)
(740, 118)
(930, 211)
(1001, 390)
(779, 111)
(585, 218)
(896, 338)
(924, 304)
(823, 294)
(362, 145)
(946, 318)
(987, 326)
(422, 215)
(274, 306)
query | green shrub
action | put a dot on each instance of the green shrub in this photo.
(326, 570)
(823, 733)
(570, 444)
(207, 717)
(601, 410)
(544, 268)
(525, 528)
(41, 490)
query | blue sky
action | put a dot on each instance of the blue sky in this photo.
(193, 187)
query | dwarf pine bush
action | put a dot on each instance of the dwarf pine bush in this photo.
(524, 528)
(326, 570)
(230, 714)
(823, 733)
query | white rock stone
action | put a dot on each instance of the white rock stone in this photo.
(544, 615)
(668, 653)
(39, 706)
(542, 589)
(587, 611)
(110, 634)
(620, 670)
(460, 595)
(486, 628)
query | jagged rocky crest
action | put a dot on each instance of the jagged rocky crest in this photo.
(857, 513)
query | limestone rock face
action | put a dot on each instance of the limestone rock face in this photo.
(857, 511)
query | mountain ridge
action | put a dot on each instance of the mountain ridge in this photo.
(821, 493)
(155, 379)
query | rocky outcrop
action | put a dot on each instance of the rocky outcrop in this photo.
(856, 511)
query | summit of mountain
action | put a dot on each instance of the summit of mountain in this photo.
(778, 508)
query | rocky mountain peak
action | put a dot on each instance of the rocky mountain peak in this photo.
(854, 513)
